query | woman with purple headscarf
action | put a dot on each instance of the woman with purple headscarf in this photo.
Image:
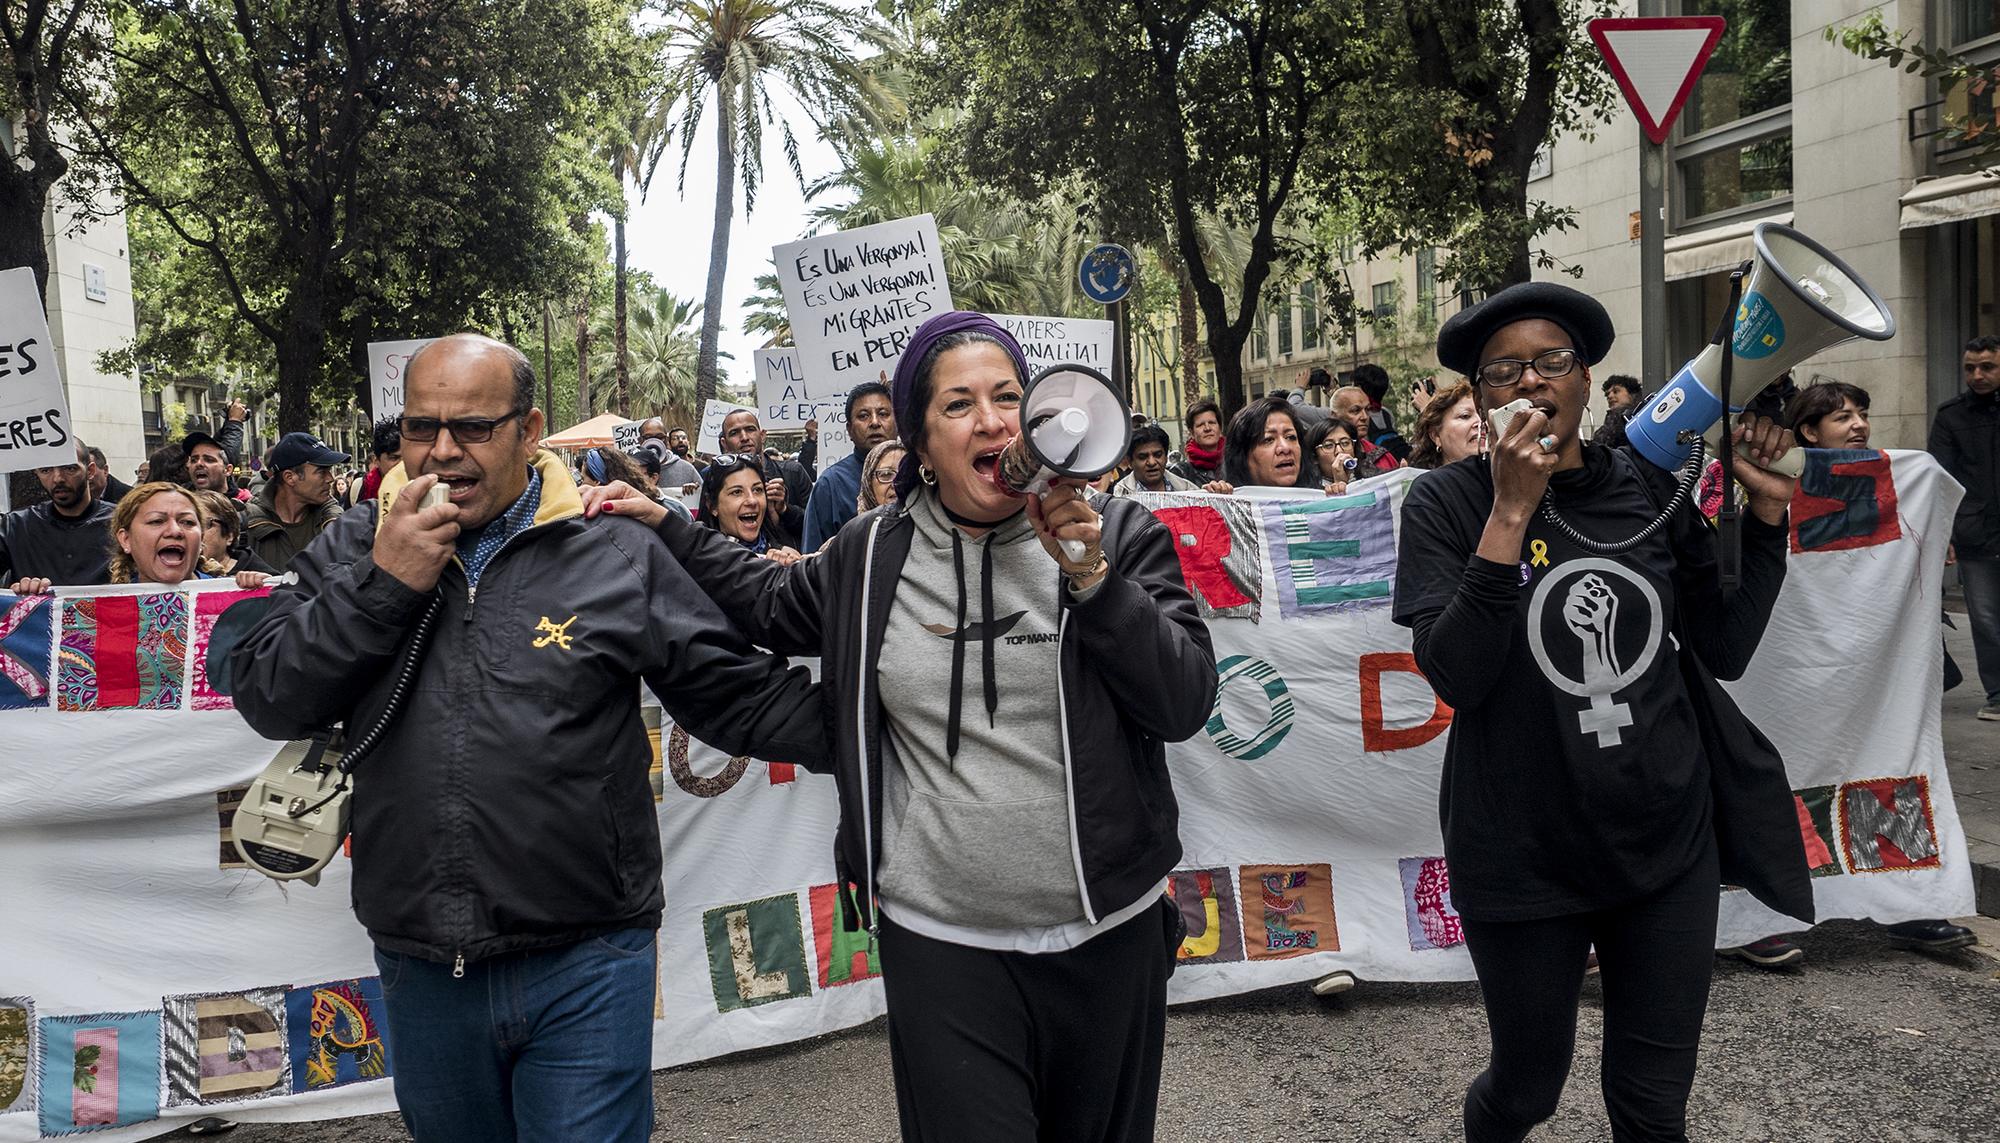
(1007, 821)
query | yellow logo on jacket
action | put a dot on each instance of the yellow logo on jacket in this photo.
(553, 632)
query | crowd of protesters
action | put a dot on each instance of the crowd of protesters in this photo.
(1007, 818)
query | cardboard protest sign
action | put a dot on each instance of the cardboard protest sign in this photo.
(625, 435)
(387, 361)
(34, 409)
(786, 401)
(709, 441)
(1047, 341)
(855, 297)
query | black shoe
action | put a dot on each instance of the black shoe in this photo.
(1769, 953)
(1931, 936)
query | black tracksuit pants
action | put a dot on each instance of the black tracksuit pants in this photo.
(1003, 1047)
(1654, 956)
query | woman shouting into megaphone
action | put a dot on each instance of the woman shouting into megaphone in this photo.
(1547, 589)
(1006, 670)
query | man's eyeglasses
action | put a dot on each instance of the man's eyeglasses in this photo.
(1505, 372)
(464, 430)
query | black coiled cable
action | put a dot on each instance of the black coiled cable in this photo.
(406, 674)
(1689, 478)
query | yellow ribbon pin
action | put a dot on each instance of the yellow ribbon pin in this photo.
(1538, 552)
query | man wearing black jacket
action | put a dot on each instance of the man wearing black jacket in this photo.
(1965, 438)
(64, 540)
(507, 855)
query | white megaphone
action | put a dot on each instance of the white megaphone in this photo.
(1074, 422)
(1800, 299)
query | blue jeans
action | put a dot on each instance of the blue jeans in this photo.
(550, 1044)
(1981, 580)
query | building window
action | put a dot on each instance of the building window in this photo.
(1385, 299)
(1734, 151)
(1308, 315)
(1972, 20)
(1260, 338)
(1427, 288)
(1285, 329)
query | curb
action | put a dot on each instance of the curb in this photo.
(1986, 888)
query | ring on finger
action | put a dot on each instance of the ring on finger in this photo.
(1548, 442)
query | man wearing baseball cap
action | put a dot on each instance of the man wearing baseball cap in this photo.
(297, 503)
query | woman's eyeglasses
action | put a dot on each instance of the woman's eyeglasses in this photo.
(1505, 372)
(883, 475)
(464, 430)
(1343, 444)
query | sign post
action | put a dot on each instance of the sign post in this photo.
(1106, 276)
(1655, 60)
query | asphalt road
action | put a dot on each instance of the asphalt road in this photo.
(1864, 1043)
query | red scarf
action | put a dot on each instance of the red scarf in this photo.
(1206, 459)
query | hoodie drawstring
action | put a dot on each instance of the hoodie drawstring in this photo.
(986, 630)
(957, 647)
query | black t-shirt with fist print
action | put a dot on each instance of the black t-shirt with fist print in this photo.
(1574, 778)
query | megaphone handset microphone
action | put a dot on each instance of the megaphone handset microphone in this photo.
(1074, 423)
(1800, 299)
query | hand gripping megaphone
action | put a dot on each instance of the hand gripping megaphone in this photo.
(1074, 422)
(1800, 299)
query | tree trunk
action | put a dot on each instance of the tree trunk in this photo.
(622, 372)
(583, 359)
(1190, 339)
(548, 359)
(23, 202)
(301, 347)
(706, 372)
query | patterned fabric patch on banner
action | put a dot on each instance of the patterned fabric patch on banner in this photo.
(1206, 899)
(25, 643)
(17, 1053)
(1220, 546)
(1885, 824)
(208, 607)
(1433, 923)
(1248, 672)
(1332, 555)
(1376, 736)
(1288, 911)
(122, 652)
(98, 1071)
(756, 952)
(656, 774)
(1846, 499)
(226, 802)
(701, 786)
(845, 955)
(228, 1046)
(336, 1033)
(1815, 806)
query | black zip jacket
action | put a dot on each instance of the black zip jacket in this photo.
(1965, 438)
(1137, 672)
(68, 551)
(508, 806)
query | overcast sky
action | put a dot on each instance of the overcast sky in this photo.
(668, 234)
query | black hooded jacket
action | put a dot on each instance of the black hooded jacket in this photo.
(1138, 671)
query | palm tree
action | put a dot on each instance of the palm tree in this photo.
(738, 55)
(665, 344)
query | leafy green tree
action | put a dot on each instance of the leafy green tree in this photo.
(53, 52)
(349, 170)
(1173, 110)
(741, 57)
(1960, 79)
(665, 346)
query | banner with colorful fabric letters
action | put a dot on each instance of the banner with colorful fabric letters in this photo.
(147, 979)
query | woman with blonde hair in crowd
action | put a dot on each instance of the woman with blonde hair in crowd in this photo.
(156, 536)
(878, 475)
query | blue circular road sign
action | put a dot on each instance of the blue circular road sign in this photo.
(1107, 274)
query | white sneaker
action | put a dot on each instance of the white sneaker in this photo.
(1990, 712)
(1333, 983)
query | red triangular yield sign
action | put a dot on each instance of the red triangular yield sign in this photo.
(1656, 60)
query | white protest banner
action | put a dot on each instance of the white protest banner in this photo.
(785, 401)
(387, 361)
(709, 441)
(1308, 815)
(34, 408)
(625, 435)
(855, 297)
(1047, 341)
